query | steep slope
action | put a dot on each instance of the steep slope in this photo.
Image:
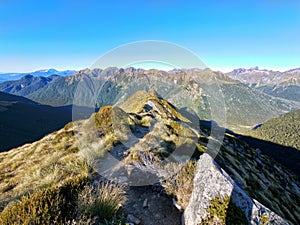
(199, 90)
(24, 121)
(144, 141)
(283, 130)
(287, 91)
(26, 85)
(4, 97)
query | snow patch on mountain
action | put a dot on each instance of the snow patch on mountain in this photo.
(258, 76)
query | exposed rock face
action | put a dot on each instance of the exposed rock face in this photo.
(212, 181)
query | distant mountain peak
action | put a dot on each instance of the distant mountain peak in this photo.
(38, 73)
(255, 69)
(28, 76)
(296, 70)
(27, 84)
(51, 70)
(255, 75)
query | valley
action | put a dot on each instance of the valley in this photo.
(159, 147)
(149, 112)
(125, 128)
(209, 94)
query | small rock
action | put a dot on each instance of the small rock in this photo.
(145, 203)
(176, 204)
(132, 219)
(123, 179)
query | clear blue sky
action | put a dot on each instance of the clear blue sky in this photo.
(67, 34)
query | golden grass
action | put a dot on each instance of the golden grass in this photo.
(102, 201)
(47, 162)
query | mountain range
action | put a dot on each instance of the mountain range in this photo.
(279, 84)
(42, 73)
(165, 130)
(236, 106)
(198, 90)
(27, 84)
(147, 140)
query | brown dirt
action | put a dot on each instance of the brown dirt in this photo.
(160, 210)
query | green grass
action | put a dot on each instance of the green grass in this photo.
(283, 130)
(224, 211)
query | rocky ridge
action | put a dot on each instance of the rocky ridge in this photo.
(148, 141)
(210, 182)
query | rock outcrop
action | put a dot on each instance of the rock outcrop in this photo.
(211, 182)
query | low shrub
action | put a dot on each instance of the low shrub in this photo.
(180, 183)
(223, 210)
(263, 219)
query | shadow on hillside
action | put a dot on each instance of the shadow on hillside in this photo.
(235, 214)
(22, 123)
(287, 156)
(242, 209)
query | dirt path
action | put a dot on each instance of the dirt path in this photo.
(159, 210)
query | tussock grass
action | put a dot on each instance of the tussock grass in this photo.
(102, 201)
(41, 183)
(52, 205)
(45, 163)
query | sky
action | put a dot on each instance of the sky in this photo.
(65, 34)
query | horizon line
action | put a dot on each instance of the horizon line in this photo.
(220, 69)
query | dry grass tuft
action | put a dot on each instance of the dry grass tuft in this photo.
(102, 201)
